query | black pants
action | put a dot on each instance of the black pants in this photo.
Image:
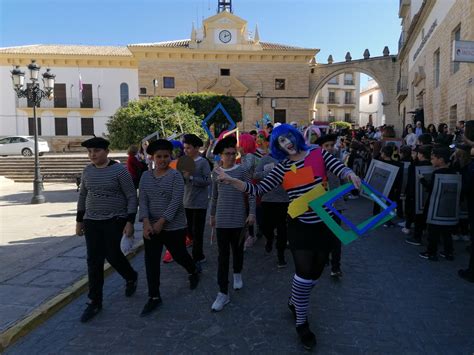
(335, 247)
(175, 242)
(310, 245)
(274, 216)
(229, 238)
(435, 233)
(103, 243)
(196, 223)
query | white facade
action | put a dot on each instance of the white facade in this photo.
(370, 105)
(338, 100)
(106, 96)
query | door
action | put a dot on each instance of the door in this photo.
(60, 95)
(279, 116)
(86, 96)
(15, 145)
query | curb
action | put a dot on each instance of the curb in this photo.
(47, 309)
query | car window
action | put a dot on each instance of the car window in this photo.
(4, 140)
(15, 139)
(23, 140)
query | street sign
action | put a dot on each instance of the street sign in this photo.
(463, 51)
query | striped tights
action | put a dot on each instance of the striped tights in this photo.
(300, 293)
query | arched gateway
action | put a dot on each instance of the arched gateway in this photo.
(383, 69)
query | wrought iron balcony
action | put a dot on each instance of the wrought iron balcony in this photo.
(70, 102)
(402, 87)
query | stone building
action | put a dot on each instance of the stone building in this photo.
(429, 80)
(220, 57)
(338, 100)
(370, 105)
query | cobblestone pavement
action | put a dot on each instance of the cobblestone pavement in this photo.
(389, 301)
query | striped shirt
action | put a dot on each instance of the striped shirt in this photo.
(264, 166)
(162, 196)
(106, 193)
(275, 178)
(196, 189)
(228, 204)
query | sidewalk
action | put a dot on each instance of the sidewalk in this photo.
(389, 301)
(39, 255)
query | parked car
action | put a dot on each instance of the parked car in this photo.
(24, 145)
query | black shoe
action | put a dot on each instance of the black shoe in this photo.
(336, 272)
(130, 287)
(307, 337)
(198, 267)
(150, 306)
(281, 263)
(426, 255)
(193, 280)
(447, 256)
(93, 308)
(413, 241)
(466, 275)
(292, 308)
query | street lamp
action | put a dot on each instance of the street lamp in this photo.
(35, 95)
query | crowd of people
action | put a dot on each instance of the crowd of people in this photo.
(245, 184)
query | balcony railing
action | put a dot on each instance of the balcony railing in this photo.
(332, 100)
(402, 40)
(333, 82)
(349, 82)
(349, 101)
(71, 102)
(402, 87)
(320, 100)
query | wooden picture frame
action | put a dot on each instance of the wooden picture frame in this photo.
(380, 176)
(420, 192)
(444, 204)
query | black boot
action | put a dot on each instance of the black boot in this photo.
(292, 308)
(151, 305)
(93, 308)
(307, 337)
(193, 280)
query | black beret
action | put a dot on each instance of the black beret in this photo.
(192, 139)
(159, 144)
(227, 142)
(326, 138)
(96, 142)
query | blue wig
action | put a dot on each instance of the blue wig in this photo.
(292, 134)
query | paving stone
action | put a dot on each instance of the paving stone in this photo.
(78, 252)
(64, 264)
(56, 278)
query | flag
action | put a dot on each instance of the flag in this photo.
(80, 87)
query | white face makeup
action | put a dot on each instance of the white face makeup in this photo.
(287, 146)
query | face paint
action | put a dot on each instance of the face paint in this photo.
(287, 145)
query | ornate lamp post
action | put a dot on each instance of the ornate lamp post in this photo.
(35, 95)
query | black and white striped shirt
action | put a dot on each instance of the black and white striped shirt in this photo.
(275, 178)
(228, 204)
(106, 193)
(162, 196)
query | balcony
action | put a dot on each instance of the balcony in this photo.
(349, 101)
(349, 82)
(402, 88)
(333, 101)
(320, 100)
(333, 82)
(402, 40)
(404, 8)
(70, 103)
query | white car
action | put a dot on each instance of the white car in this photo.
(22, 145)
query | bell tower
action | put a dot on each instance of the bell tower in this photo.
(224, 5)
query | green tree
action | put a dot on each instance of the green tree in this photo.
(130, 124)
(203, 103)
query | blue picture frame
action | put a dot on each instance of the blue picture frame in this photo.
(206, 120)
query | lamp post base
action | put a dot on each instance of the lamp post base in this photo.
(38, 196)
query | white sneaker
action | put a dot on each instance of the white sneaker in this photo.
(401, 224)
(221, 300)
(405, 231)
(238, 283)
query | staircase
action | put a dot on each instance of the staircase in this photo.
(54, 168)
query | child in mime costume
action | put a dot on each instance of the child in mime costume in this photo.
(309, 237)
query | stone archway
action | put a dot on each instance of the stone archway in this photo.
(383, 69)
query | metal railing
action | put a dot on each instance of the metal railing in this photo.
(402, 40)
(320, 100)
(71, 102)
(332, 100)
(349, 101)
(402, 86)
(349, 82)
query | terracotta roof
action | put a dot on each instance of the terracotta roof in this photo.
(184, 43)
(68, 50)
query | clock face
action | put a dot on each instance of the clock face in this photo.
(225, 36)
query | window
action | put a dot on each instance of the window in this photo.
(456, 37)
(168, 82)
(60, 126)
(280, 84)
(279, 115)
(31, 127)
(347, 117)
(225, 72)
(334, 80)
(371, 99)
(142, 91)
(453, 116)
(87, 101)
(371, 120)
(87, 126)
(348, 79)
(436, 60)
(124, 94)
(332, 97)
(348, 97)
(60, 95)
